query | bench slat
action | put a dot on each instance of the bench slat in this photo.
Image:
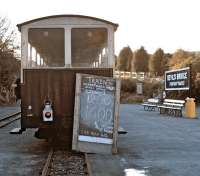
(167, 107)
(173, 104)
(149, 105)
(174, 101)
(172, 107)
(153, 100)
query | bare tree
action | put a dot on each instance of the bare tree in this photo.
(9, 66)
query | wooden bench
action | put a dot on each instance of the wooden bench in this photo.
(151, 104)
(172, 107)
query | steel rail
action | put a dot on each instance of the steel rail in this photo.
(9, 119)
(10, 115)
(89, 169)
(45, 170)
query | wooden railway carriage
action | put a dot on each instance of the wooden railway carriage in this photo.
(53, 50)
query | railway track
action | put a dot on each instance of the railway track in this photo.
(68, 163)
(9, 119)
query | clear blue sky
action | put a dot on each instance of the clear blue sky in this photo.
(169, 24)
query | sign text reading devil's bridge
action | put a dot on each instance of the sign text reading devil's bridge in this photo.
(177, 79)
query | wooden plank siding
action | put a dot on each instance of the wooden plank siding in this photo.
(59, 86)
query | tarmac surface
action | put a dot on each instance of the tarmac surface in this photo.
(21, 155)
(155, 145)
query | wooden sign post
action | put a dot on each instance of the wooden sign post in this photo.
(96, 114)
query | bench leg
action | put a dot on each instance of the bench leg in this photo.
(168, 111)
(175, 113)
(171, 112)
(151, 108)
(162, 110)
(178, 113)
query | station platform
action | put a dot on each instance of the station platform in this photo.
(155, 145)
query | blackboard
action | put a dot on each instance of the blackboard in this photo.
(96, 111)
(177, 79)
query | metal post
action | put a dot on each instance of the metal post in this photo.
(190, 83)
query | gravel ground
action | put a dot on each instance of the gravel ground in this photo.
(68, 163)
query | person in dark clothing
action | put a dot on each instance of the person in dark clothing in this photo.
(163, 96)
(18, 89)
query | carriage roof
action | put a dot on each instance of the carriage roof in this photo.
(80, 17)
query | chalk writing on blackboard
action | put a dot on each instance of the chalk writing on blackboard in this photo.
(97, 102)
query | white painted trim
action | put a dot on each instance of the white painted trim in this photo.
(110, 47)
(31, 59)
(185, 88)
(67, 35)
(35, 68)
(95, 139)
(67, 46)
(186, 68)
(67, 26)
(24, 50)
(68, 21)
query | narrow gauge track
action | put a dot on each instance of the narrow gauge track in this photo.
(9, 119)
(68, 163)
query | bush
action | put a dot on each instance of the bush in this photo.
(196, 93)
(128, 85)
(152, 87)
(128, 90)
(128, 98)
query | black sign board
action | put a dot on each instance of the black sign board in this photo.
(96, 109)
(177, 79)
(97, 105)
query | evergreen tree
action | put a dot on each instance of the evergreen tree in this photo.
(124, 59)
(157, 62)
(141, 60)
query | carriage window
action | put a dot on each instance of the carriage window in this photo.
(89, 47)
(46, 47)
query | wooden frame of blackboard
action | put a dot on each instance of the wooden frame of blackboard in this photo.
(95, 147)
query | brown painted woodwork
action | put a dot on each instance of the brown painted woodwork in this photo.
(59, 86)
